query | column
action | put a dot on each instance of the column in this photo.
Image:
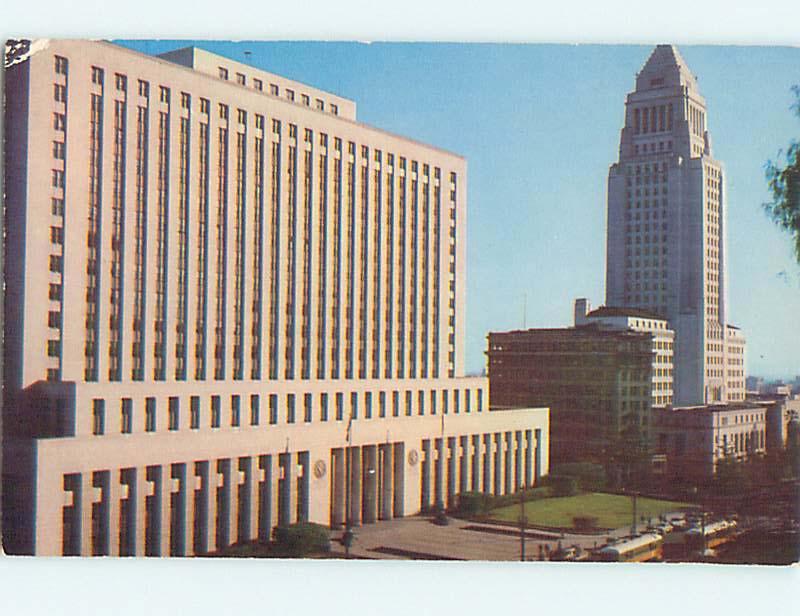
(240, 504)
(498, 464)
(476, 450)
(427, 463)
(509, 459)
(338, 496)
(303, 485)
(254, 477)
(399, 479)
(387, 474)
(113, 503)
(451, 450)
(165, 510)
(267, 507)
(463, 463)
(519, 475)
(488, 453)
(355, 486)
(273, 487)
(285, 516)
(538, 458)
(87, 498)
(370, 503)
(528, 458)
(139, 510)
(127, 509)
(438, 476)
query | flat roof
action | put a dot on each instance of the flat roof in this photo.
(620, 311)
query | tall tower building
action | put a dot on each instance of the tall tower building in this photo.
(666, 229)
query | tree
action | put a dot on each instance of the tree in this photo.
(784, 183)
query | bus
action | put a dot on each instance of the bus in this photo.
(632, 549)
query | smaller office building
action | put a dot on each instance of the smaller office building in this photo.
(600, 378)
(693, 440)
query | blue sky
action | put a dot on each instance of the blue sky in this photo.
(539, 126)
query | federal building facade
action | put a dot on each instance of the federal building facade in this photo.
(666, 229)
(222, 292)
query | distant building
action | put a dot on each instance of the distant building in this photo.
(666, 247)
(601, 378)
(693, 440)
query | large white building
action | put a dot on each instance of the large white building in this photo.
(666, 229)
(222, 291)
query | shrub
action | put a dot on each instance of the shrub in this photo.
(473, 503)
(562, 486)
(591, 477)
(584, 522)
(301, 539)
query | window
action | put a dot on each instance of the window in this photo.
(273, 408)
(223, 111)
(259, 121)
(290, 94)
(235, 411)
(59, 150)
(334, 109)
(98, 416)
(58, 178)
(57, 206)
(290, 408)
(205, 105)
(194, 412)
(323, 407)
(339, 406)
(121, 82)
(241, 116)
(60, 93)
(320, 104)
(126, 416)
(223, 73)
(61, 65)
(55, 291)
(307, 408)
(53, 348)
(144, 88)
(258, 84)
(174, 413)
(241, 79)
(56, 235)
(215, 411)
(150, 415)
(274, 89)
(59, 121)
(55, 263)
(54, 319)
(97, 75)
(382, 404)
(306, 100)
(255, 409)
(164, 94)
(186, 100)
(354, 405)
(368, 405)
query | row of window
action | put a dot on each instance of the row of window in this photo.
(328, 407)
(275, 90)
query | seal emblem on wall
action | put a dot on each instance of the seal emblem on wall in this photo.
(320, 469)
(413, 457)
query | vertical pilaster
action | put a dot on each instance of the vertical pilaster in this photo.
(370, 502)
(387, 476)
(355, 486)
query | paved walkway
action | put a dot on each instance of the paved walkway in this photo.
(419, 538)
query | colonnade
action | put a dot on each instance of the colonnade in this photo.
(182, 509)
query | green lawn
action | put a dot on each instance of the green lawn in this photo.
(611, 510)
